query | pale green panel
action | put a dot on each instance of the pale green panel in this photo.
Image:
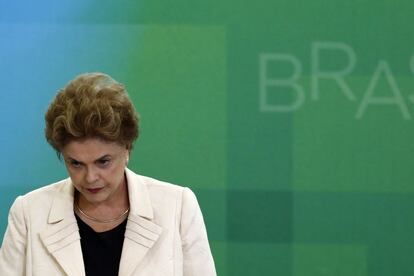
(178, 83)
(330, 260)
(365, 144)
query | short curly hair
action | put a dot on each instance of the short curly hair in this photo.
(93, 105)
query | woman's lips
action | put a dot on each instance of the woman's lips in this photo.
(94, 191)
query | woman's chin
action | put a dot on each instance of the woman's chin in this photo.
(96, 197)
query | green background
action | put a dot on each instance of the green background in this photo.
(322, 189)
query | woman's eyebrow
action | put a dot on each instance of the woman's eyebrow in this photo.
(71, 159)
(102, 157)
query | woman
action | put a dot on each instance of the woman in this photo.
(104, 219)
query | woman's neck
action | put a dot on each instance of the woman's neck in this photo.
(115, 204)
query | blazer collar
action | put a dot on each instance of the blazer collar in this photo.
(141, 231)
(139, 199)
(62, 206)
(61, 235)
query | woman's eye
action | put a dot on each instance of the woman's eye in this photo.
(75, 164)
(104, 162)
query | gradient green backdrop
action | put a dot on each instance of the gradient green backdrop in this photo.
(291, 120)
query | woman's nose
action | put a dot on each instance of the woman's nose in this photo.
(91, 175)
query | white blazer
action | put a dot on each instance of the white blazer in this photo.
(165, 232)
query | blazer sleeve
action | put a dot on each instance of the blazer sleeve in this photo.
(12, 252)
(197, 258)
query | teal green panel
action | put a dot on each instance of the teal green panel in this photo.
(260, 216)
(219, 251)
(261, 142)
(380, 222)
(213, 205)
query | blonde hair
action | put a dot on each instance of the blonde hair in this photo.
(93, 105)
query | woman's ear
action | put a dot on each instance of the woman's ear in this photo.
(127, 157)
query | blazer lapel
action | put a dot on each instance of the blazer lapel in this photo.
(61, 235)
(141, 232)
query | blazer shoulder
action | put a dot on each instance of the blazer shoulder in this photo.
(46, 192)
(165, 190)
(158, 189)
(159, 185)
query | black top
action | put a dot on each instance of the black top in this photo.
(101, 251)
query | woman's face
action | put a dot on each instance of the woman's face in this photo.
(97, 169)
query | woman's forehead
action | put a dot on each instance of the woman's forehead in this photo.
(91, 149)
